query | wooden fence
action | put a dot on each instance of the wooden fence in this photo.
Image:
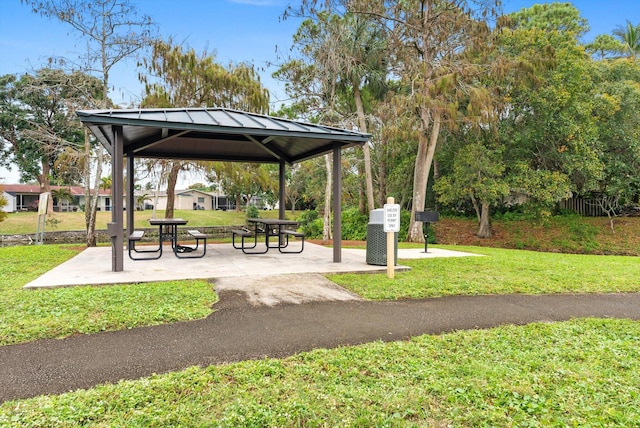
(583, 206)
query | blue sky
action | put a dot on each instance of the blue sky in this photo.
(236, 30)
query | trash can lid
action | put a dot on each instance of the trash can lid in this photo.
(376, 216)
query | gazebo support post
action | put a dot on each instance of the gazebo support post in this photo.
(117, 239)
(337, 203)
(131, 203)
(281, 190)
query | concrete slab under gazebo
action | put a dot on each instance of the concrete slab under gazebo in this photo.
(212, 134)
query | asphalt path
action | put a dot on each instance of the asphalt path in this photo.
(239, 331)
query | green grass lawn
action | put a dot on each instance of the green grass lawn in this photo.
(500, 271)
(577, 373)
(27, 315)
(27, 222)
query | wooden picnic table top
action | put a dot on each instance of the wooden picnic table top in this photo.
(167, 221)
(273, 221)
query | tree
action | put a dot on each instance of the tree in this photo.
(38, 120)
(354, 48)
(312, 83)
(113, 31)
(605, 45)
(540, 144)
(552, 17)
(140, 200)
(549, 128)
(105, 183)
(349, 54)
(617, 102)
(62, 195)
(478, 174)
(3, 203)
(243, 183)
(186, 79)
(629, 35)
(427, 40)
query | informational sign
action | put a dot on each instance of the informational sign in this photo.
(43, 203)
(391, 218)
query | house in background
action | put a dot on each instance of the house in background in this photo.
(25, 197)
(192, 199)
(10, 205)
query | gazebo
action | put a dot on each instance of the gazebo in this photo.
(212, 134)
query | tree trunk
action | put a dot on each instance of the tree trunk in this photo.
(87, 181)
(484, 229)
(365, 149)
(326, 220)
(92, 205)
(424, 158)
(476, 207)
(292, 201)
(45, 184)
(362, 191)
(382, 181)
(436, 175)
(171, 188)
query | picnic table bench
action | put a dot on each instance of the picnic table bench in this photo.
(170, 234)
(136, 236)
(243, 233)
(287, 233)
(270, 228)
(181, 250)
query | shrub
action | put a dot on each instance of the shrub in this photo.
(253, 212)
(311, 224)
(354, 224)
(3, 203)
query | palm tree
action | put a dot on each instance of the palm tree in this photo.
(61, 195)
(361, 55)
(140, 200)
(629, 35)
(105, 183)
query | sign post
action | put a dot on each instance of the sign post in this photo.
(391, 226)
(43, 207)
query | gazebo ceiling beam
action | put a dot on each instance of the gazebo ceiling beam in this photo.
(153, 141)
(207, 157)
(317, 152)
(264, 144)
(101, 135)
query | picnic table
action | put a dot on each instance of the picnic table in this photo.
(170, 226)
(270, 227)
(168, 229)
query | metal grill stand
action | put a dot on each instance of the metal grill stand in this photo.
(426, 217)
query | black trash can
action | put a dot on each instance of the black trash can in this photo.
(377, 240)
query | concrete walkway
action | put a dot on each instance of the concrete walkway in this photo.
(93, 265)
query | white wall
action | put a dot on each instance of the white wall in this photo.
(11, 203)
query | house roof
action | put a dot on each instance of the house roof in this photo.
(215, 134)
(35, 189)
(188, 191)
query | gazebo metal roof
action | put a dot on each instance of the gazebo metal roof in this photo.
(215, 134)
